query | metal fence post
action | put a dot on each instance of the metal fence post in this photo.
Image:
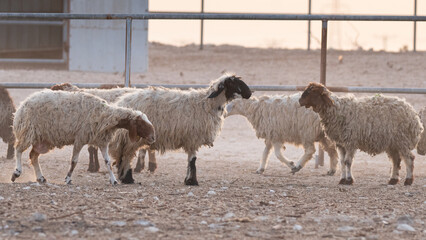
(128, 50)
(202, 26)
(415, 26)
(309, 26)
(320, 159)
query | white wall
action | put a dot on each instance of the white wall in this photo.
(99, 45)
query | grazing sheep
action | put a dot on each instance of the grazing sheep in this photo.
(50, 119)
(421, 146)
(373, 124)
(7, 108)
(110, 94)
(280, 119)
(182, 119)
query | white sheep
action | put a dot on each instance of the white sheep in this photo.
(50, 119)
(372, 124)
(280, 119)
(421, 146)
(7, 108)
(183, 119)
(110, 94)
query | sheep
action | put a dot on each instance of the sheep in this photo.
(49, 119)
(186, 119)
(7, 108)
(372, 124)
(421, 146)
(280, 119)
(110, 94)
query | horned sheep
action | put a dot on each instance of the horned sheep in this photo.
(372, 124)
(280, 119)
(49, 119)
(7, 109)
(186, 119)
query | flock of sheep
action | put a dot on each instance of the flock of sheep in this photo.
(121, 121)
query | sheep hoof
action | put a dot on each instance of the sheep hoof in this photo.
(92, 169)
(349, 181)
(295, 169)
(128, 179)
(393, 181)
(152, 167)
(342, 181)
(191, 182)
(260, 171)
(408, 181)
(41, 180)
(15, 175)
(138, 169)
(115, 182)
(331, 172)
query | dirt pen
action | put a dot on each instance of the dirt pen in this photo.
(231, 201)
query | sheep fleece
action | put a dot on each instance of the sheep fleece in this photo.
(63, 118)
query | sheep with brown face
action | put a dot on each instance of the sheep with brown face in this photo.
(50, 119)
(372, 124)
(7, 109)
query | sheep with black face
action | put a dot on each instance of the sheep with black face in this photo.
(186, 119)
(372, 124)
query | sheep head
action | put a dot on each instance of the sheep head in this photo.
(316, 96)
(139, 127)
(64, 87)
(233, 87)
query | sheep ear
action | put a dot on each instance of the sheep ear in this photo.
(326, 98)
(216, 93)
(133, 132)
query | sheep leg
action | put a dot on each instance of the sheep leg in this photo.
(265, 157)
(37, 169)
(396, 166)
(330, 148)
(152, 164)
(10, 151)
(278, 154)
(104, 151)
(93, 159)
(349, 156)
(409, 164)
(342, 153)
(191, 174)
(18, 169)
(140, 163)
(74, 159)
(309, 152)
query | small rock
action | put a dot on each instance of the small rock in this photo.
(203, 222)
(215, 226)
(407, 219)
(261, 218)
(276, 227)
(119, 223)
(224, 188)
(42, 235)
(190, 194)
(405, 227)
(38, 217)
(156, 198)
(141, 200)
(107, 230)
(228, 216)
(272, 191)
(424, 202)
(152, 229)
(245, 187)
(346, 229)
(297, 227)
(284, 194)
(271, 203)
(143, 223)
(35, 184)
(211, 192)
(1, 198)
(26, 188)
(73, 232)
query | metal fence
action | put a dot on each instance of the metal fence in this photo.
(223, 16)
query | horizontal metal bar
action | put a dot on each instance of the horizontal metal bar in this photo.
(253, 87)
(31, 60)
(212, 16)
(32, 22)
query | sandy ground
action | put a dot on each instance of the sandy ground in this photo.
(232, 201)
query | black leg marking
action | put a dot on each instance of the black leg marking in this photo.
(152, 166)
(10, 151)
(191, 175)
(128, 178)
(393, 181)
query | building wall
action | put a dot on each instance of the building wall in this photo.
(99, 45)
